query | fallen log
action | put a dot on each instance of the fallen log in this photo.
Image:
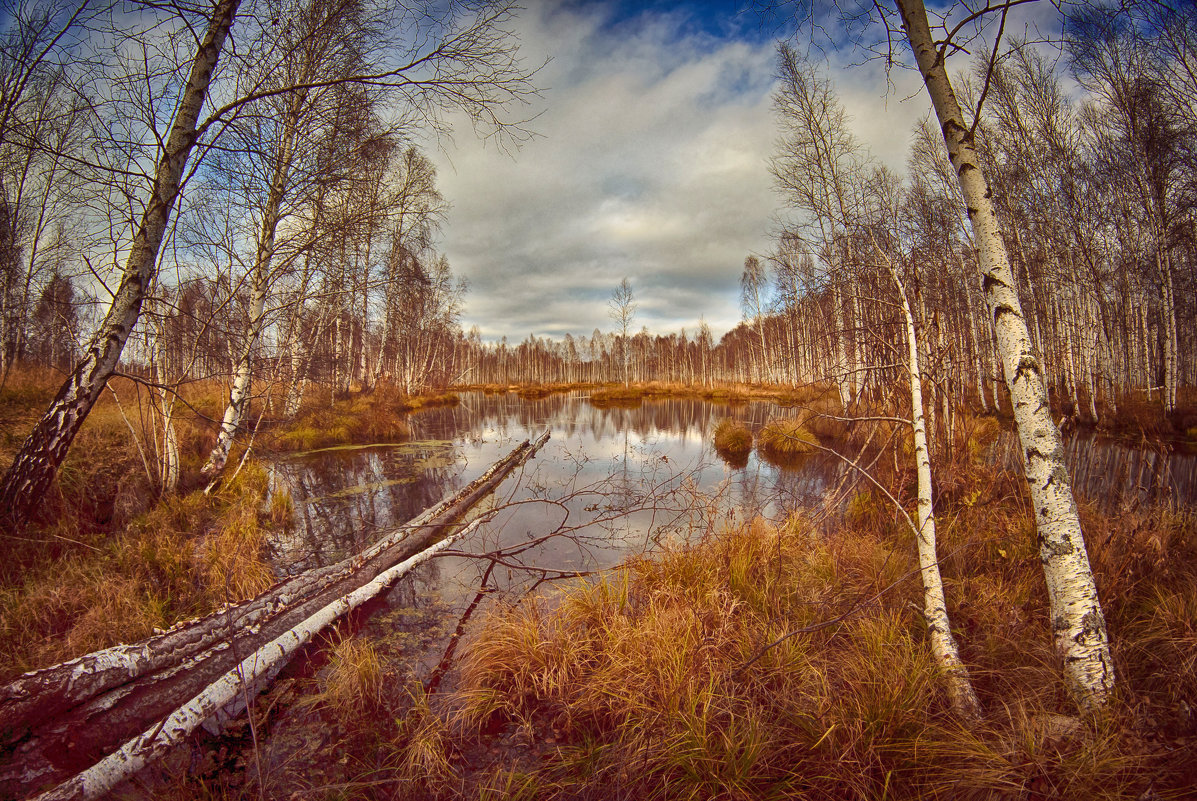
(59, 720)
(155, 741)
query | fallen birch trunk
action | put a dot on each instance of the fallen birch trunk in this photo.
(155, 741)
(63, 718)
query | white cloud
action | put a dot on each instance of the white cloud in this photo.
(652, 163)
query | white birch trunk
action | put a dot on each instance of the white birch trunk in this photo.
(242, 380)
(1078, 624)
(1171, 340)
(935, 609)
(36, 464)
(838, 335)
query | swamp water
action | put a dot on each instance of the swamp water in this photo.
(609, 484)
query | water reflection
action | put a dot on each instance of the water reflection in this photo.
(1112, 473)
(610, 481)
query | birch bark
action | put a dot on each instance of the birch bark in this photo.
(36, 464)
(1078, 624)
(935, 608)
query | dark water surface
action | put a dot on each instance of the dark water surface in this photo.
(1116, 474)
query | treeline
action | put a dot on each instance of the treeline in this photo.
(1095, 193)
(231, 189)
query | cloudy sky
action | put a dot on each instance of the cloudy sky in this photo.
(655, 132)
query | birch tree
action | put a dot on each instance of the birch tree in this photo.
(321, 44)
(818, 160)
(1078, 624)
(36, 463)
(622, 309)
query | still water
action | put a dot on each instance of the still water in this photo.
(609, 484)
(615, 480)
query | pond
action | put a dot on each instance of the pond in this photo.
(609, 484)
(614, 479)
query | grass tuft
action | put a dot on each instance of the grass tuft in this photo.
(733, 438)
(351, 683)
(786, 438)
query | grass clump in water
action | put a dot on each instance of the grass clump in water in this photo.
(733, 439)
(373, 417)
(618, 396)
(786, 438)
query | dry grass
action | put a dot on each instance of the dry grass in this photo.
(184, 558)
(618, 396)
(733, 438)
(110, 560)
(351, 683)
(786, 438)
(373, 417)
(852, 707)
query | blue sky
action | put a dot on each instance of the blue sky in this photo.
(655, 133)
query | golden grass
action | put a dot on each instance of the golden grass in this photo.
(111, 560)
(733, 438)
(373, 417)
(351, 683)
(618, 397)
(646, 678)
(535, 391)
(185, 558)
(786, 438)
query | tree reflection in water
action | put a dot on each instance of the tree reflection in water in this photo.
(610, 483)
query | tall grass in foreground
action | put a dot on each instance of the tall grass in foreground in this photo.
(656, 684)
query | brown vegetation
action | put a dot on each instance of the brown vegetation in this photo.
(110, 560)
(786, 438)
(732, 437)
(847, 703)
(185, 557)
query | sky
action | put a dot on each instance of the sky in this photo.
(651, 162)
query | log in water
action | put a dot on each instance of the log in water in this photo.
(59, 720)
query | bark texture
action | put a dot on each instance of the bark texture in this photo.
(36, 464)
(1077, 621)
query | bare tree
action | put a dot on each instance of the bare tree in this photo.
(36, 464)
(622, 309)
(753, 284)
